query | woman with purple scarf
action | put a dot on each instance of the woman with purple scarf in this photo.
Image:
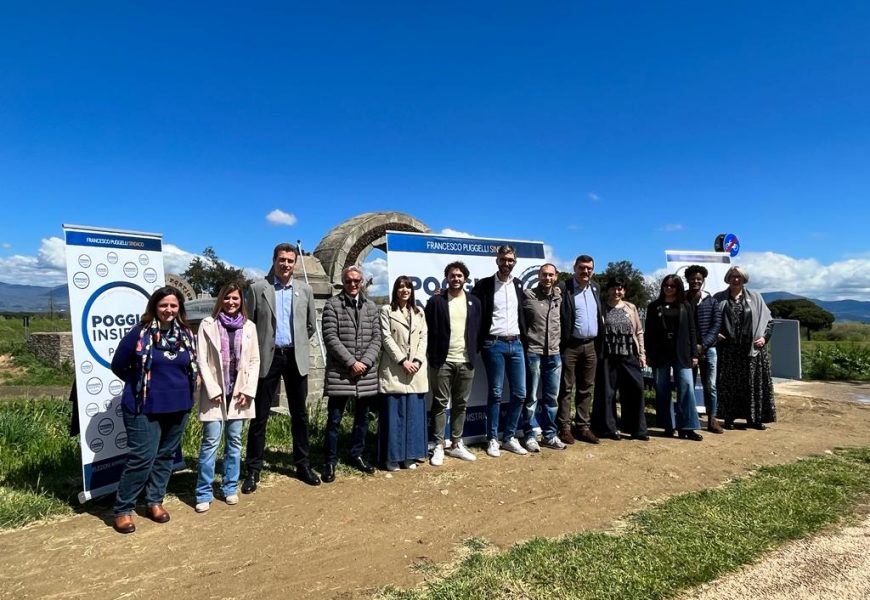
(229, 361)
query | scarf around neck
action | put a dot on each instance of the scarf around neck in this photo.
(174, 340)
(225, 325)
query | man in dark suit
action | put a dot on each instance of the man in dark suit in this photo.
(502, 335)
(582, 324)
(283, 311)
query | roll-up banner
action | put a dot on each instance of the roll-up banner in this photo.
(717, 264)
(422, 257)
(111, 275)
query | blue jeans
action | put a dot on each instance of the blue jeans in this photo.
(551, 368)
(499, 356)
(211, 437)
(708, 379)
(152, 440)
(683, 414)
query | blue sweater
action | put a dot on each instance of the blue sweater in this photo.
(169, 390)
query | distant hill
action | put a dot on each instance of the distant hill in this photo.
(35, 298)
(843, 310)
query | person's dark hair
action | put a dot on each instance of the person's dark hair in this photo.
(150, 313)
(692, 269)
(615, 281)
(456, 264)
(284, 247)
(394, 298)
(505, 249)
(225, 291)
(678, 285)
(583, 258)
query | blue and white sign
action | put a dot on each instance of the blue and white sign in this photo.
(422, 257)
(111, 274)
(731, 245)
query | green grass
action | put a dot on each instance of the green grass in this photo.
(837, 361)
(684, 541)
(33, 371)
(40, 465)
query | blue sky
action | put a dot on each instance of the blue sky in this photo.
(617, 129)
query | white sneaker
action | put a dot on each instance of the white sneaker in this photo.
(513, 445)
(492, 448)
(437, 456)
(232, 499)
(392, 466)
(554, 443)
(447, 443)
(458, 450)
(532, 445)
(202, 507)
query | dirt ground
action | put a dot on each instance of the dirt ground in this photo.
(349, 538)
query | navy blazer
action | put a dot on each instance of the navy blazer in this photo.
(438, 323)
(484, 289)
(568, 314)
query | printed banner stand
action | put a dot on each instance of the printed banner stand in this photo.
(111, 275)
(423, 256)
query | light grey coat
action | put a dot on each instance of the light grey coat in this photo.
(260, 298)
(347, 341)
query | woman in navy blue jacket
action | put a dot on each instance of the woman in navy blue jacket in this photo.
(156, 361)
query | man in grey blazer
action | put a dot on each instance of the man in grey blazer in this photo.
(284, 313)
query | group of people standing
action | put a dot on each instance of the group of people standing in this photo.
(557, 337)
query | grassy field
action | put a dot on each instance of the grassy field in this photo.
(25, 369)
(684, 541)
(40, 467)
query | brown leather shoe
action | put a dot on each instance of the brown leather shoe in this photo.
(588, 437)
(565, 436)
(124, 524)
(713, 426)
(158, 514)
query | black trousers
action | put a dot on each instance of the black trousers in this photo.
(296, 385)
(619, 374)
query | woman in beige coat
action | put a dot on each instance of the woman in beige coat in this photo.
(229, 362)
(402, 380)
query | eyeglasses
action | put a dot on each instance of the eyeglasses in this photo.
(352, 281)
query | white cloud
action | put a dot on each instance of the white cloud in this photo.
(454, 233)
(566, 266)
(279, 217)
(672, 227)
(376, 270)
(594, 197)
(6, 245)
(773, 272)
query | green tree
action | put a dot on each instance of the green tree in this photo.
(811, 316)
(637, 290)
(209, 273)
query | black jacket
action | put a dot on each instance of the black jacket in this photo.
(656, 336)
(438, 323)
(484, 289)
(568, 313)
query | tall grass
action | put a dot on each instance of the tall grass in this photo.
(40, 465)
(836, 361)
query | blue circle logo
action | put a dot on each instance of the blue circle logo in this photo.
(731, 244)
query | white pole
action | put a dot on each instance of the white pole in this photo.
(316, 322)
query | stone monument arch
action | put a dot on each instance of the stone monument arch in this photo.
(179, 282)
(350, 242)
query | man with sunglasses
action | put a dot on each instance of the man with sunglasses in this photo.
(352, 337)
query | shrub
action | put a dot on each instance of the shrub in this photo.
(838, 362)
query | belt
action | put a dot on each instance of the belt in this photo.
(283, 349)
(579, 341)
(503, 338)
